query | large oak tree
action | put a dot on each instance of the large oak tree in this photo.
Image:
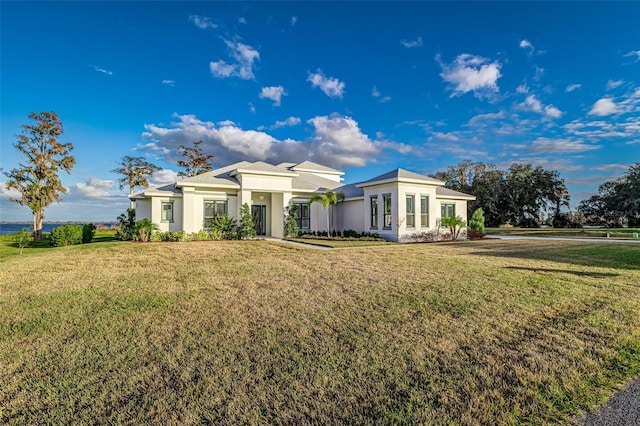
(196, 161)
(37, 179)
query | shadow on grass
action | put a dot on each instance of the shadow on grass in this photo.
(604, 255)
(565, 271)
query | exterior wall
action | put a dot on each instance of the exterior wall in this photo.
(416, 191)
(265, 183)
(350, 215)
(193, 206)
(330, 176)
(390, 234)
(156, 213)
(143, 209)
(461, 207)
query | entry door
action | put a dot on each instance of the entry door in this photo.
(259, 214)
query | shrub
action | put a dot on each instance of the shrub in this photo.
(126, 225)
(143, 230)
(23, 238)
(225, 226)
(455, 225)
(246, 227)
(88, 232)
(290, 223)
(66, 235)
(476, 223)
(201, 235)
(156, 236)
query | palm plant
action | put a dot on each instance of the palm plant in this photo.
(144, 228)
(455, 225)
(329, 198)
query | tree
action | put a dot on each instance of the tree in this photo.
(196, 162)
(290, 222)
(144, 229)
(327, 200)
(246, 227)
(617, 202)
(476, 223)
(37, 178)
(134, 171)
(455, 225)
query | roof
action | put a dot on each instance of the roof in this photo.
(221, 176)
(351, 191)
(310, 166)
(442, 192)
(401, 174)
(262, 167)
(307, 182)
(170, 189)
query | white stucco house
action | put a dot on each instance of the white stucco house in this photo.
(394, 205)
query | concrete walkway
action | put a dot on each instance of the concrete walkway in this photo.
(295, 243)
(582, 240)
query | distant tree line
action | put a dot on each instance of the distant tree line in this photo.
(521, 196)
(617, 203)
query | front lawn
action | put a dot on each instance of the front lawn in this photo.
(338, 243)
(617, 233)
(254, 332)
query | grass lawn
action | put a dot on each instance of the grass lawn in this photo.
(252, 332)
(339, 243)
(618, 233)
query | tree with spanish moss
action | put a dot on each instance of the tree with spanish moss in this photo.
(135, 172)
(196, 161)
(37, 180)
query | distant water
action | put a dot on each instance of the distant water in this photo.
(12, 228)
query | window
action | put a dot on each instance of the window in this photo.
(374, 212)
(424, 211)
(213, 209)
(411, 211)
(448, 210)
(386, 205)
(303, 218)
(166, 211)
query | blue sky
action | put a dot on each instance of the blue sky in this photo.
(363, 86)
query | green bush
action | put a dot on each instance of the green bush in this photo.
(127, 225)
(476, 223)
(143, 230)
(66, 235)
(225, 226)
(23, 238)
(246, 228)
(173, 237)
(88, 232)
(201, 235)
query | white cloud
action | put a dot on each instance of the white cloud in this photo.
(553, 112)
(294, 19)
(202, 22)
(412, 43)
(331, 86)
(102, 70)
(376, 94)
(445, 136)
(241, 20)
(483, 118)
(243, 57)
(226, 123)
(291, 121)
(560, 146)
(336, 141)
(91, 188)
(169, 82)
(252, 108)
(275, 93)
(604, 106)
(523, 89)
(163, 177)
(531, 103)
(8, 193)
(469, 73)
(633, 53)
(572, 87)
(612, 84)
(526, 44)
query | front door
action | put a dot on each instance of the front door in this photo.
(259, 214)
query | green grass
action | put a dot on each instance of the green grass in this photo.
(252, 332)
(618, 233)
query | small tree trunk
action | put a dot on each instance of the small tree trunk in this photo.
(37, 225)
